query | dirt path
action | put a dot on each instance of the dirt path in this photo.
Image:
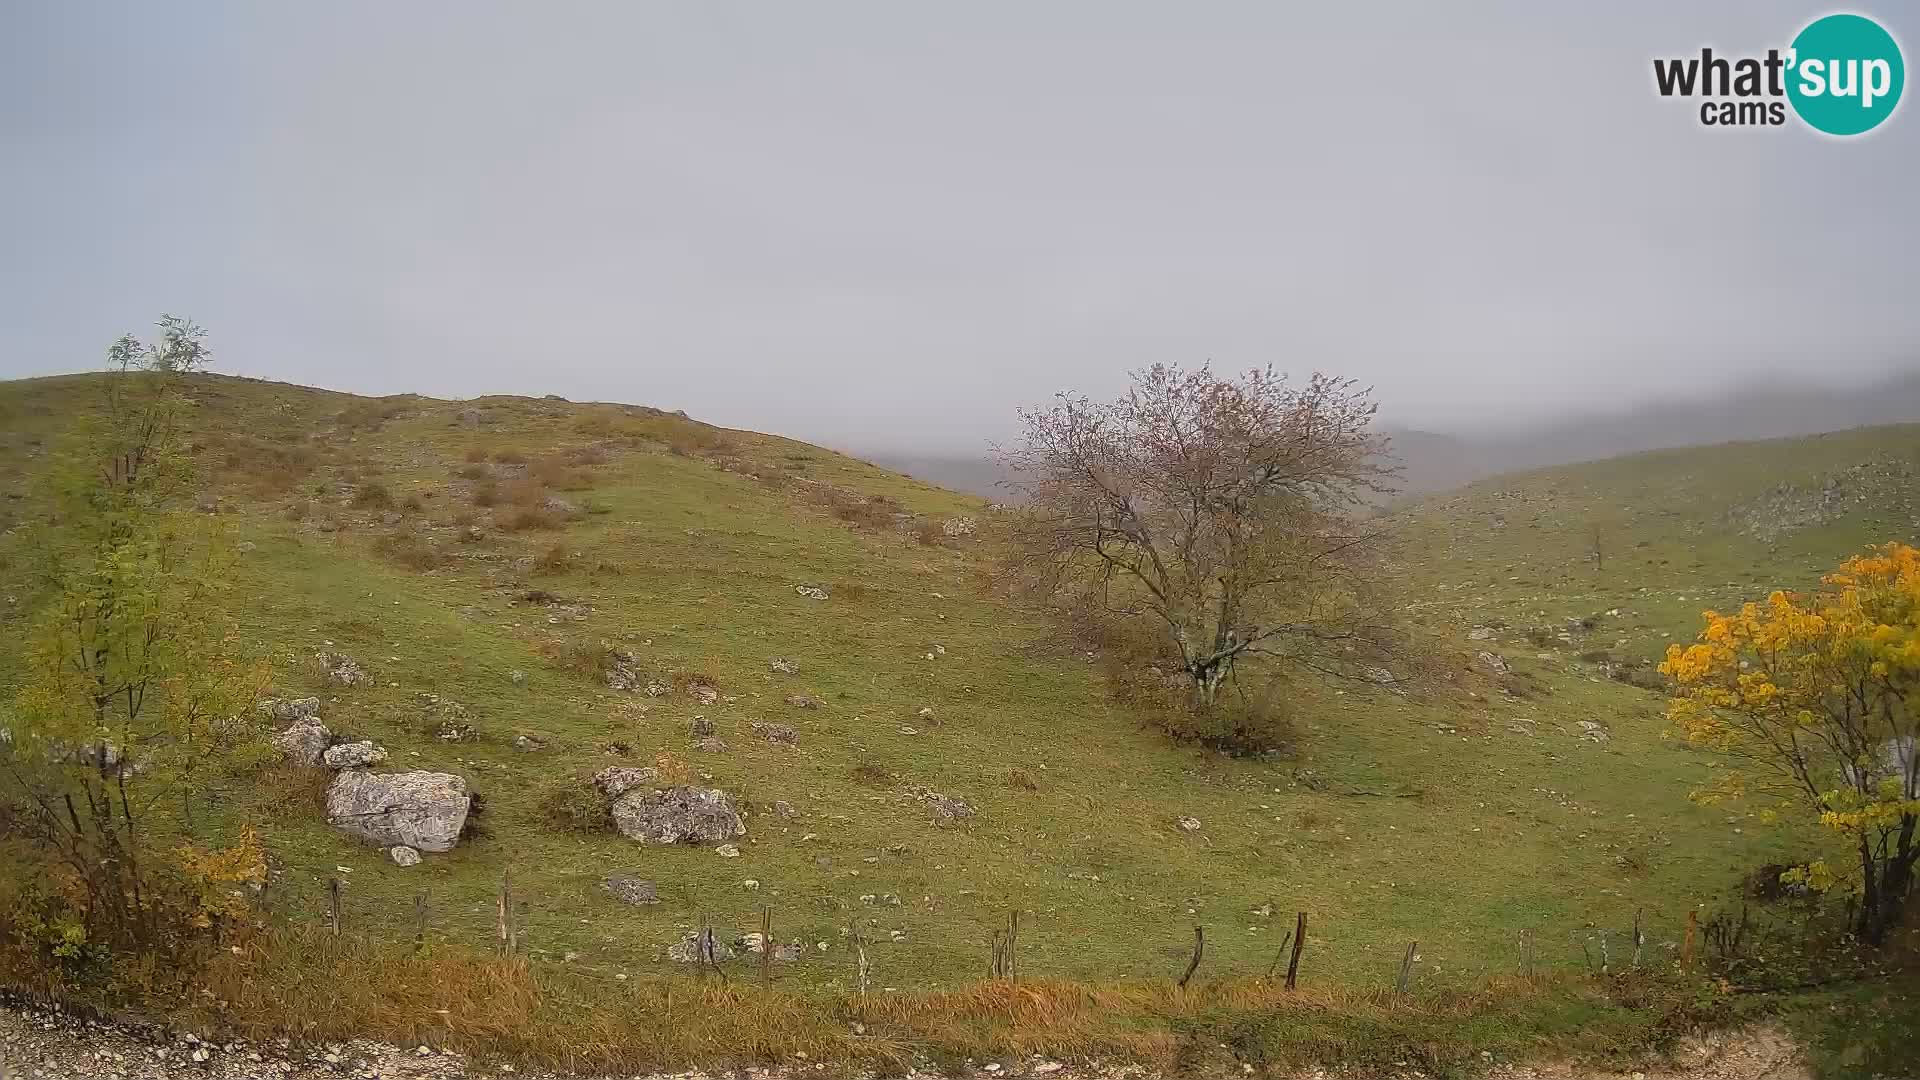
(46, 1045)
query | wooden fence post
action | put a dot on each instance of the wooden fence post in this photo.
(1639, 938)
(503, 914)
(860, 957)
(333, 905)
(1013, 946)
(420, 919)
(766, 945)
(1686, 943)
(1406, 967)
(1280, 954)
(1299, 943)
(1199, 946)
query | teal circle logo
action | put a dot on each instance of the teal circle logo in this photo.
(1845, 74)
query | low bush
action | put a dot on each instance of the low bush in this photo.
(554, 560)
(527, 518)
(575, 805)
(409, 549)
(373, 495)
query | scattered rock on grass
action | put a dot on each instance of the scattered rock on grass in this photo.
(402, 855)
(1493, 662)
(353, 755)
(693, 949)
(783, 666)
(1188, 824)
(678, 815)
(783, 734)
(802, 701)
(945, 808)
(341, 670)
(629, 889)
(289, 710)
(616, 780)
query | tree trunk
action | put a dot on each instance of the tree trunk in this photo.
(1207, 680)
(1871, 926)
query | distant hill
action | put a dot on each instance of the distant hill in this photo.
(979, 475)
(1438, 461)
(1433, 461)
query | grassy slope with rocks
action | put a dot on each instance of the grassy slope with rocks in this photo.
(1457, 815)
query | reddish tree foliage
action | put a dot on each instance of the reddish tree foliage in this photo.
(1225, 510)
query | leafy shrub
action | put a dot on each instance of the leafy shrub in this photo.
(671, 768)
(509, 456)
(523, 491)
(575, 805)
(473, 472)
(476, 455)
(373, 495)
(408, 549)
(929, 533)
(554, 560)
(369, 415)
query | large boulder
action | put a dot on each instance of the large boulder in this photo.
(421, 810)
(304, 743)
(679, 815)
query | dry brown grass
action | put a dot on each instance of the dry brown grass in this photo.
(866, 512)
(369, 415)
(408, 549)
(476, 454)
(507, 455)
(555, 472)
(528, 518)
(497, 1007)
(270, 469)
(929, 533)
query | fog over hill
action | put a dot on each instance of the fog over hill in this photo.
(1435, 460)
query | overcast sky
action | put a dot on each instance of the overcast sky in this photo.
(886, 225)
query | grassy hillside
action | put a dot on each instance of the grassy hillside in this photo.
(1457, 814)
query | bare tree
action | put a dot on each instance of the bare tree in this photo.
(1227, 511)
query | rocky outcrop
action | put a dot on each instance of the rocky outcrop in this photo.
(678, 815)
(303, 744)
(421, 810)
(629, 889)
(616, 780)
(353, 755)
